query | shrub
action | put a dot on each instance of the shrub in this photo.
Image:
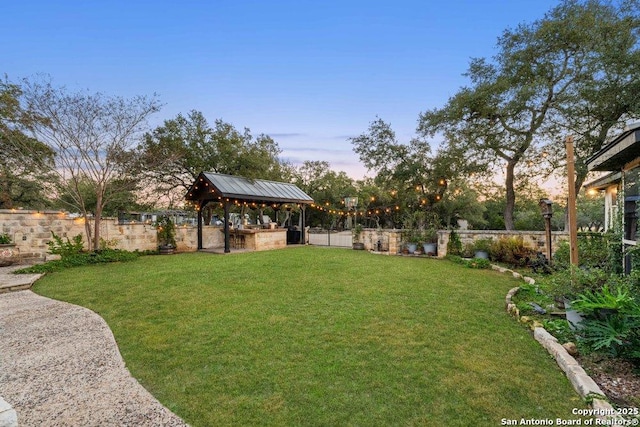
(570, 282)
(485, 245)
(166, 232)
(81, 259)
(612, 323)
(58, 246)
(480, 263)
(512, 250)
(5, 239)
(454, 247)
(471, 263)
(595, 250)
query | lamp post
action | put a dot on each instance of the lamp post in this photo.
(547, 213)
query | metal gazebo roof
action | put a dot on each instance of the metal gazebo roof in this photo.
(216, 187)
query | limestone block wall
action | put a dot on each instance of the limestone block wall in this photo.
(187, 238)
(129, 237)
(31, 230)
(533, 239)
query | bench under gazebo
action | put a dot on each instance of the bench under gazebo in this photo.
(228, 191)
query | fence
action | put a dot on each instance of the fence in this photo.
(342, 239)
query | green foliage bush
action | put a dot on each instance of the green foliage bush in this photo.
(595, 250)
(454, 247)
(166, 232)
(512, 250)
(470, 263)
(57, 246)
(5, 239)
(81, 259)
(612, 321)
(572, 281)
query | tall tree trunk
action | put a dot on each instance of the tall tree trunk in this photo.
(511, 196)
(96, 224)
(87, 229)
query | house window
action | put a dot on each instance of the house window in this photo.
(631, 205)
(631, 179)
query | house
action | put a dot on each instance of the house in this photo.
(621, 158)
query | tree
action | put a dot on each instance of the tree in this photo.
(604, 97)
(460, 202)
(327, 187)
(544, 74)
(124, 199)
(93, 137)
(23, 177)
(176, 152)
(408, 171)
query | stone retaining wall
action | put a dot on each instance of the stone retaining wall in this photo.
(533, 239)
(393, 238)
(31, 230)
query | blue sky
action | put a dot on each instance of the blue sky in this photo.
(310, 74)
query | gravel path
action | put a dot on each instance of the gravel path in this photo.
(60, 366)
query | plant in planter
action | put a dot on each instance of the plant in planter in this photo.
(166, 235)
(357, 234)
(7, 250)
(413, 240)
(429, 241)
(482, 248)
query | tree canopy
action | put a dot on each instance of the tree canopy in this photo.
(177, 151)
(93, 137)
(547, 79)
(23, 176)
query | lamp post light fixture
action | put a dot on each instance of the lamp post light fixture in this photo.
(547, 213)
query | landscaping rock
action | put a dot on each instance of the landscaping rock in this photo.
(571, 348)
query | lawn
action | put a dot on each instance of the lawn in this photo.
(319, 336)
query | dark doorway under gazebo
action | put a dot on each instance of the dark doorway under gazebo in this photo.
(228, 191)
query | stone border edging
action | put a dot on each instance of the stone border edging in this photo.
(8, 415)
(579, 379)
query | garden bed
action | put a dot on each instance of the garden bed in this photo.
(618, 378)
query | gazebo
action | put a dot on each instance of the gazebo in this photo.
(229, 190)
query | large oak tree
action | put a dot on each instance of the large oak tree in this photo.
(178, 150)
(569, 72)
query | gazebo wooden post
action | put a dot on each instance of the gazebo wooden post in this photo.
(227, 247)
(200, 205)
(304, 224)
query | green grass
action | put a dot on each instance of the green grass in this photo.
(317, 336)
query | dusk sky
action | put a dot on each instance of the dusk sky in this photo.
(310, 74)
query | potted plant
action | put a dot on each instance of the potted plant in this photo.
(413, 240)
(430, 239)
(482, 248)
(166, 235)
(357, 233)
(7, 250)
